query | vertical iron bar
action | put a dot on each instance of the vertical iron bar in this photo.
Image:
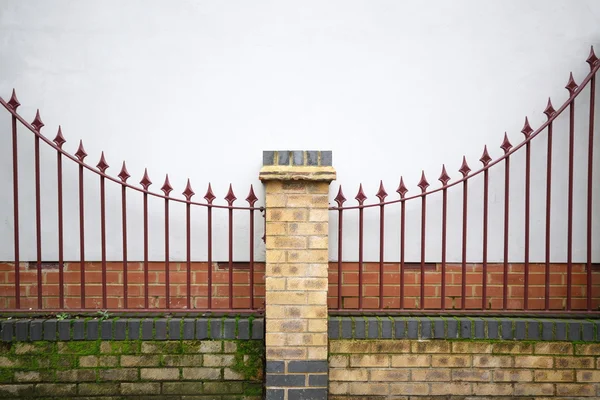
(570, 205)
(146, 303)
(167, 277)
(340, 239)
(381, 250)
(485, 240)
(38, 221)
(124, 221)
(527, 202)
(506, 209)
(103, 238)
(360, 256)
(252, 259)
(444, 226)
(61, 290)
(589, 193)
(402, 232)
(463, 291)
(423, 208)
(209, 227)
(548, 208)
(16, 212)
(188, 240)
(81, 237)
(230, 258)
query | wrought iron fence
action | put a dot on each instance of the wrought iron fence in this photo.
(433, 287)
(125, 285)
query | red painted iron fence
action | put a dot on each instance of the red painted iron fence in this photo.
(83, 285)
(483, 286)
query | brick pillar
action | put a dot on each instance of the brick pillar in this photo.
(297, 223)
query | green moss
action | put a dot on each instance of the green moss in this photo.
(253, 389)
(6, 375)
(248, 359)
(83, 348)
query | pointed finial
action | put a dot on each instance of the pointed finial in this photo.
(592, 59)
(188, 192)
(166, 187)
(444, 178)
(124, 174)
(360, 196)
(251, 199)
(37, 121)
(80, 153)
(485, 157)
(571, 85)
(526, 128)
(549, 111)
(381, 193)
(423, 184)
(146, 182)
(14, 102)
(59, 139)
(464, 168)
(340, 198)
(506, 146)
(102, 165)
(230, 196)
(209, 196)
(402, 189)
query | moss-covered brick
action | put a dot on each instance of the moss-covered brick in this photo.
(118, 374)
(120, 347)
(80, 348)
(139, 388)
(16, 391)
(56, 389)
(76, 375)
(223, 387)
(162, 347)
(159, 374)
(192, 388)
(144, 360)
(182, 360)
(33, 347)
(99, 389)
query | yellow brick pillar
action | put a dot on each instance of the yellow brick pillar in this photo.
(297, 225)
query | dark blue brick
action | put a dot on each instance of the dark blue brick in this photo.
(160, 329)
(78, 329)
(36, 329)
(275, 367)
(439, 328)
(533, 330)
(258, 329)
(229, 329)
(189, 326)
(597, 330)
(106, 333)
(7, 331)
(91, 332)
(465, 328)
(574, 330)
(587, 331)
(426, 330)
(360, 328)
(268, 157)
(243, 329)
(120, 332)
(175, 329)
(275, 394)
(452, 326)
(346, 328)
(284, 157)
(548, 330)
(492, 329)
(202, 329)
(312, 158)
(386, 328)
(326, 158)
(333, 328)
(298, 158)
(479, 328)
(520, 330)
(307, 394)
(318, 380)
(413, 329)
(22, 331)
(133, 329)
(560, 331)
(147, 329)
(307, 366)
(507, 329)
(64, 330)
(373, 328)
(216, 328)
(50, 326)
(285, 380)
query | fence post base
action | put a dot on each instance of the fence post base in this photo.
(297, 225)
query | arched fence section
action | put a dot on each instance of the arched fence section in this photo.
(475, 285)
(127, 284)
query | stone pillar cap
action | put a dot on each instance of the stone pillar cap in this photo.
(284, 165)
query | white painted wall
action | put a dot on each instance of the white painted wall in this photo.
(198, 89)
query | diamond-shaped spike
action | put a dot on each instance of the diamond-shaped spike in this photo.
(571, 85)
(230, 196)
(146, 182)
(485, 157)
(209, 196)
(251, 199)
(188, 192)
(526, 128)
(124, 174)
(59, 139)
(549, 111)
(423, 184)
(464, 168)
(14, 102)
(37, 121)
(381, 193)
(506, 145)
(102, 165)
(402, 189)
(592, 59)
(340, 198)
(166, 187)
(360, 196)
(444, 177)
(80, 153)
